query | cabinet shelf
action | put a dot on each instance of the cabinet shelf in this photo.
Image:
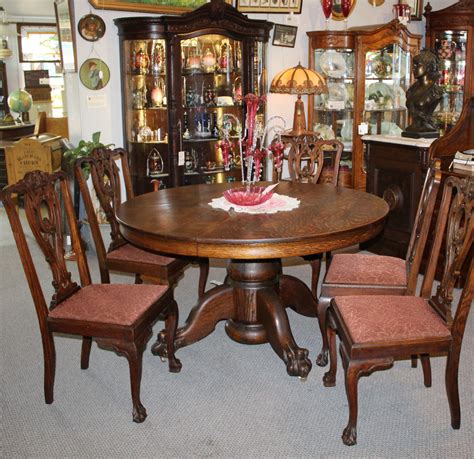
(161, 175)
(146, 75)
(149, 142)
(195, 72)
(200, 107)
(164, 108)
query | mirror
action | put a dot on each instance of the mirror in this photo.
(64, 10)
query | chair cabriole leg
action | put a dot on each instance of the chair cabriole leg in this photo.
(85, 352)
(452, 388)
(323, 305)
(49, 353)
(171, 324)
(329, 378)
(426, 365)
(134, 356)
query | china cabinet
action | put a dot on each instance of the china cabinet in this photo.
(184, 78)
(368, 71)
(449, 32)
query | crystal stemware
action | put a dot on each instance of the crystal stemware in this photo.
(346, 9)
(327, 10)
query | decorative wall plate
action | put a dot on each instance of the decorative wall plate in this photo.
(91, 27)
(376, 90)
(337, 12)
(94, 74)
(337, 92)
(382, 66)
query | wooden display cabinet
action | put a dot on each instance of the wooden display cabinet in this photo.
(449, 32)
(368, 71)
(184, 78)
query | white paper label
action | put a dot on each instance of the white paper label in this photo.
(336, 105)
(363, 128)
(96, 101)
(180, 158)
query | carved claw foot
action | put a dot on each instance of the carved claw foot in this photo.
(159, 348)
(297, 362)
(329, 380)
(322, 359)
(349, 436)
(175, 365)
(139, 413)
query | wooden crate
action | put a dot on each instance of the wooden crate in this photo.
(33, 153)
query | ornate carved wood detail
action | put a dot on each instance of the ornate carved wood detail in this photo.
(460, 13)
(306, 158)
(43, 211)
(459, 236)
(106, 180)
(218, 14)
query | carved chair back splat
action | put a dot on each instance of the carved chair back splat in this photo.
(105, 166)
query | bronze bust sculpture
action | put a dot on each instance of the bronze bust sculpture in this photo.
(423, 96)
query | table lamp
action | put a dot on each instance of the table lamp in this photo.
(298, 80)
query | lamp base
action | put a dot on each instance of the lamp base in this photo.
(299, 119)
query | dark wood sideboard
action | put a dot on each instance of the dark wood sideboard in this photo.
(396, 169)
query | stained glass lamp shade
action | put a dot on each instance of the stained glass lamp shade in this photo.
(298, 80)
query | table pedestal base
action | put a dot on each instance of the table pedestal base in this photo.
(253, 303)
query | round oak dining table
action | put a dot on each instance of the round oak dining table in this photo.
(254, 298)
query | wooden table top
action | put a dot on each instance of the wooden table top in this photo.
(179, 221)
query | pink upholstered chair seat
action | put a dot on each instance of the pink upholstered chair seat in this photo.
(109, 304)
(385, 319)
(362, 269)
(130, 253)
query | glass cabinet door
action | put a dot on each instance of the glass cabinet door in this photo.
(212, 107)
(333, 113)
(450, 47)
(146, 113)
(387, 78)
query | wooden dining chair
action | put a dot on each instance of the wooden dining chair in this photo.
(376, 330)
(120, 255)
(116, 316)
(369, 274)
(306, 161)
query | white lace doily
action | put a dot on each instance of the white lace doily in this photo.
(277, 203)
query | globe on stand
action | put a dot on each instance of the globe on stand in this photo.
(20, 101)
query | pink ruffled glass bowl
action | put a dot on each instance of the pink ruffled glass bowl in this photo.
(247, 196)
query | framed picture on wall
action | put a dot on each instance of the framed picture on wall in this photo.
(416, 9)
(269, 6)
(284, 35)
(150, 6)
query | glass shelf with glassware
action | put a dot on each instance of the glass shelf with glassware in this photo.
(172, 68)
(450, 47)
(367, 70)
(211, 84)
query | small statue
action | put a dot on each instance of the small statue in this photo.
(423, 96)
